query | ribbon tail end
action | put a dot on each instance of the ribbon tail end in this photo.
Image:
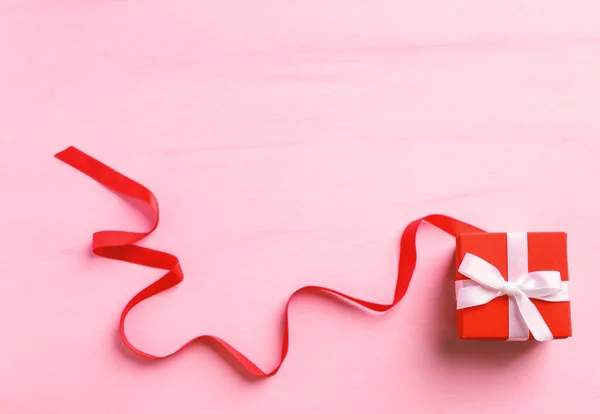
(66, 153)
(544, 338)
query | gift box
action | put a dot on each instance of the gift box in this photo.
(512, 286)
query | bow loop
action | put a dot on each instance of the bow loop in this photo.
(482, 272)
(540, 284)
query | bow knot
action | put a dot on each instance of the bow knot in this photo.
(486, 283)
(510, 289)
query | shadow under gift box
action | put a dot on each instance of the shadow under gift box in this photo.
(546, 251)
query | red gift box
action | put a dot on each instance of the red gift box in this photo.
(528, 252)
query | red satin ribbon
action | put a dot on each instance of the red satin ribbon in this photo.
(120, 245)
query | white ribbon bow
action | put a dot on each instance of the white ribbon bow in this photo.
(488, 284)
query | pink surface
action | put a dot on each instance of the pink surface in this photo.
(289, 144)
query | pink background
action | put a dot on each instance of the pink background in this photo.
(289, 143)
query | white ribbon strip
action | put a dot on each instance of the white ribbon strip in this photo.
(487, 284)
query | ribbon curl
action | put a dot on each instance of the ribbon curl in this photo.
(120, 245)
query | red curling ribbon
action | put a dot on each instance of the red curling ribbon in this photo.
(120, 245)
